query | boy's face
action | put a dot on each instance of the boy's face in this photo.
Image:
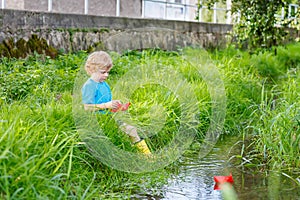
(100, 75)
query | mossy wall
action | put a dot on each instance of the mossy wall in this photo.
(21, 48)
(26, 32)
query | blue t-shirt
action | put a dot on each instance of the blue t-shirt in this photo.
(95, 92)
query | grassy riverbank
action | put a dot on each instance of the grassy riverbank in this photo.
(42, 155)
(264, 101)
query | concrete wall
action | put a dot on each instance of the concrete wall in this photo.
(128, 8)
(36, 5)
(14, 4)
(70, 32)
(102, 7)
(131, 8)
(68, 6)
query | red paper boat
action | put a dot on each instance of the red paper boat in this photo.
(219, 180)
(121, 107)
(125, 106)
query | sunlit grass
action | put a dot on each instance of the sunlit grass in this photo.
(43, 157)
(263, 106)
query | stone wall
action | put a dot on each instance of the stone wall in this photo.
(73, 32)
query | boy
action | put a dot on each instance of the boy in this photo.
(97, 97)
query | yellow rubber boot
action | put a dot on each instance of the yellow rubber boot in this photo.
(143, 147)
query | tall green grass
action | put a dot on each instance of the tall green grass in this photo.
(277, 130)
(263, 106)
(42, 156)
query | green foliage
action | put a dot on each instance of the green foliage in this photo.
(263, 101)
(154, 105)
(277, 130)
(111, 130)
(258, 27)
(273, 65)
(35, 74)
(289, 56)
(267, 65)
(42, 156)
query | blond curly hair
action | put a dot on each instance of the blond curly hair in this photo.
(98, 60)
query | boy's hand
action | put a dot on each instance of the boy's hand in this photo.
(116, 104)
(121, 107)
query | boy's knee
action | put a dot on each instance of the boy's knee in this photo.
(132, 132)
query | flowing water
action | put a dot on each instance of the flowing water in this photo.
(194, 180)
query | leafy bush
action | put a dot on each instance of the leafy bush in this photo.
(289, 56)
(267, 66)
(37, 74)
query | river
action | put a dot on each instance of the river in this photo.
(194, 179)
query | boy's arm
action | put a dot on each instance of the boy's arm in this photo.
(95, 107)
(108, 105)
